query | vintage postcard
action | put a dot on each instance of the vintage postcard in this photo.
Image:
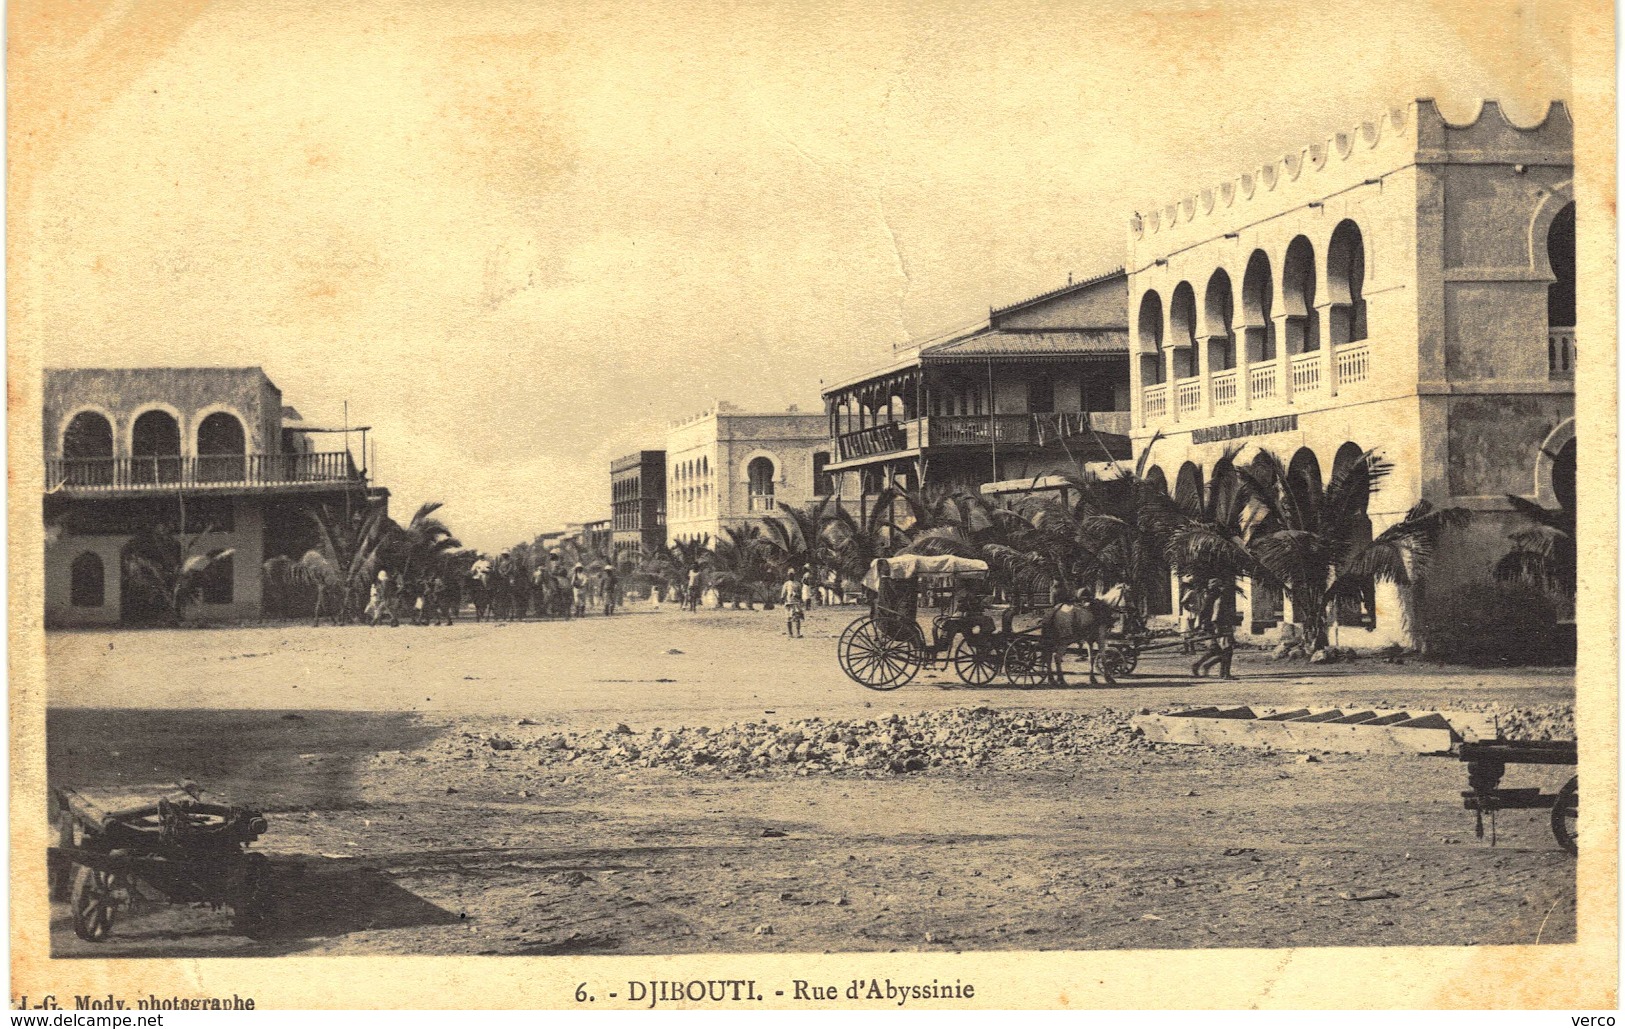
(812, 505)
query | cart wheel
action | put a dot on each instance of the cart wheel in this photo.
(95, 899)
(1566, 816)
(252, 901)
(976, 663)
(1026, 662)
(1115, 663)
(873, 659)
(1130, 658)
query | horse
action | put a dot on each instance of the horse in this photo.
(1084, 623)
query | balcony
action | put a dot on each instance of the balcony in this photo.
(761, 503)
(1261, 379)
(1156, 403)
(877, 439)
(1188, 394)
(1306, 372)
(222, 472)
(1353, 363)
(981, 429)
(1224, 388)
(1560, 353)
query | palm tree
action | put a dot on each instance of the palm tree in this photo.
(1210, 543)
(422, 542)
(740, 568)
(854, 542)
(795, 537)
(168, 564)
(348, 554)
(1020, 558)
(1312, 540)
(1545, 554)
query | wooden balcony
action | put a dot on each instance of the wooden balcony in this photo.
(226, 473)
(979, 430)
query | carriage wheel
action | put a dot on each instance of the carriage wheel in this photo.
(976, 663)
(873, 659)
(1026, 662)
(1566, 816)
(96, 897)
(1130, 657)
(1115, 663)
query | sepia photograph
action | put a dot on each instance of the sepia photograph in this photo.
(956, 481)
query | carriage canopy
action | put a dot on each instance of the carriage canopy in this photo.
(912, 566)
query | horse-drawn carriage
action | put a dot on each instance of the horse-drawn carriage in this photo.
(120, 847)
(889, 646)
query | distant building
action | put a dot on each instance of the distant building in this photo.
(134, 453)
(598, 537)
(1406, 287)
(1042, 386)
(637, 501)
(731, 467)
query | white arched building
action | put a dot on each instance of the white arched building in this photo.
(1407, 287)
(726, 467)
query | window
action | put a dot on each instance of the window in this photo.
(155, 448)
(823, 482)
(214, 585)
(88, 583)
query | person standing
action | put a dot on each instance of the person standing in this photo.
(578, 591)
(794, 611)
(694, 588)
(1220, 622)
(607, 583)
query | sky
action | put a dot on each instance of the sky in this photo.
(520, 238)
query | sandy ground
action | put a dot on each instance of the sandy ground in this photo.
(381, 846)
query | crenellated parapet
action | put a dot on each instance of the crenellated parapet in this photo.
(1416, 133)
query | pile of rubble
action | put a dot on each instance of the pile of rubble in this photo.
(894, 744)
(1533, 723)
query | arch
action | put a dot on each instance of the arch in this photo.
(1358, 607)
(1555, 467)
(1149, 328)
(1303, 474)
(1345, 283)
(1540, 225)
(1298, 297)
(1155, 478)
(1182, 330)
(141, 596)
(1257, 307)
(222, 446)
(1188, 487)
(1218, 315)
(155, 447)
(1561, 294)
(87, 449)
(87, 586)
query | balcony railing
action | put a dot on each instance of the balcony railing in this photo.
(1261, 380)
(761, 503)
(228, 470)
(1189, 395)
(1353, 363)
(877, 439)
(981, 429)
(1306, 372)
(1156, 402)
(1560, 353)
(1224, 388)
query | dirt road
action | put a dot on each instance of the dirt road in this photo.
(399, 827)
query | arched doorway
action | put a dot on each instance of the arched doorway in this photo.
(87, 581)
(1351, 490)
(1345, 283)
(1153, 367)
(87, 450)
(155, 448)
(1298, 293)
(1182, 329)
(1561, 296)
(1218, 311)
(221, 449)
(760, 474)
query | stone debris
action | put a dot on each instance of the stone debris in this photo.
(1521, 722)
(895, 744)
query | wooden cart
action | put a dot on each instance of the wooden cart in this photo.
(122, 846)
(1486, 764)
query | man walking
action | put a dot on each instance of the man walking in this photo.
(793, 608)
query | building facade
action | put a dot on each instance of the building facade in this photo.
(1041, 387)
(726, 467)
(1406, 287)
(637, 501)
(136, 455)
